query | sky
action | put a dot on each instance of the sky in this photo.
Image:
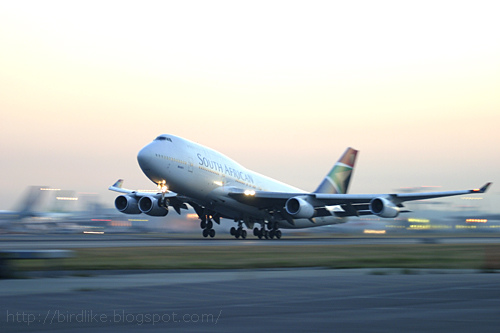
(282, 87)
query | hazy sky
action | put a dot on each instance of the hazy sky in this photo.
(283, 87)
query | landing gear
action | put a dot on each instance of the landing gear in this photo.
(272, 233)
(209, 232)
(261, 233)
(207, 225)
(275, 233)
(278, 234)
(238, 232)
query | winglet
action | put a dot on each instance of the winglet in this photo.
(117, 187)
(118, 183)
(482, 189)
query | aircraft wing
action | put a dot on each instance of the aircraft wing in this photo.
(336, 199)
(352, 204)
(117, 187)
(173, 199)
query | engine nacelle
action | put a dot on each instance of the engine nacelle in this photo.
(151, 206)
(384, 208)
(127, 204)
(299, 208)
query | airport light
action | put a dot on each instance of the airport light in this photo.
(67, 198)
(376, 232)
(476, 220)
(415, 220)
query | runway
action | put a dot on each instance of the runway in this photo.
(71, 241)
(255, 300)
(248, 300)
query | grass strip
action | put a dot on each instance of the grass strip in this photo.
(444, 256)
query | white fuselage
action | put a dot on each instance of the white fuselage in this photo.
(205, 176)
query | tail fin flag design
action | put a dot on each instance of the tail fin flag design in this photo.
(118, 184)
(337, 180)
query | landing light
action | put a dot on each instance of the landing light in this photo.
(249, 192)
(162, 186)
(218, 183)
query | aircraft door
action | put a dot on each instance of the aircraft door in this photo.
(190, 164)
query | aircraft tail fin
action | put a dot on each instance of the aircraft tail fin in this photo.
(31, 199)
(337, 180)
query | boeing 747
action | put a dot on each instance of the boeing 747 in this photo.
(217, 187)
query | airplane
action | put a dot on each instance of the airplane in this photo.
(217, 187)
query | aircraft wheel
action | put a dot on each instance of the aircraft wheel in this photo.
(278, 234)
(203, 224)
(243, 234)
(271, 234)
(205, 232)
(212, 233)
(237, 233)
(210, 224)
(255, 231)
(266, 234)
(232, 231)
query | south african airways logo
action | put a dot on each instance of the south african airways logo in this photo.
(223, 168)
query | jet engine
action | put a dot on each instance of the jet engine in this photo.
(127, 204)
(151, 206)
(384, 208)
(299, 208)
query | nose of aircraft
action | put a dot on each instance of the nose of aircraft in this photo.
(148, 164)
(144, 158)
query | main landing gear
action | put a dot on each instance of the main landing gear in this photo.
(238, 232)
(274, 232)
(207, 225)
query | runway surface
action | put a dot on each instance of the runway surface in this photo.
(254, 300)
(69, 241)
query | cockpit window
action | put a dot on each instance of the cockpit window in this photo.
(163, 138)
